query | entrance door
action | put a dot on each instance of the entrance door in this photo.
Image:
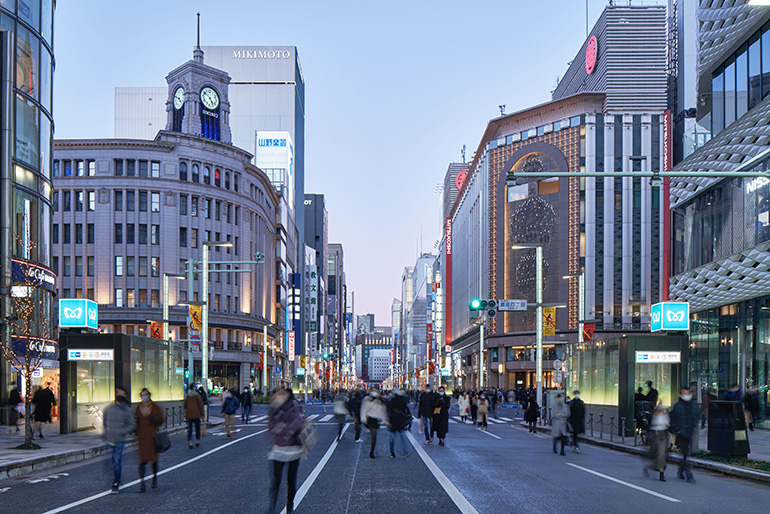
(663, 379)
(95, 390)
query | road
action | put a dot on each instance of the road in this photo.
(505, 469)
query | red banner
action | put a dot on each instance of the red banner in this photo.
(588, 331)
(156, 330)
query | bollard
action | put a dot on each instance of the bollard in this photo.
(601, 426)
(165, 418)
(612, 426)
(623, 430)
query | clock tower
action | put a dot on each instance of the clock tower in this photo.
(197, 99)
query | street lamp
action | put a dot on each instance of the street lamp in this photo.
(581, 304)
(205, 312)
(539, 313)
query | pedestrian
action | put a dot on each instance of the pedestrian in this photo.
(464, 405)
(704, 406)
(560, 414)
(193, 412)
(14, 400)
(659, 442)
(425, 408)
(483, 411)
(284, 420)
(148, 418)
(399, 417)
(652, 394)
(43, 401)
(474, 408)
(245, 405)
(119, 423)
(685, 418)
(229, 408)
(733, 394)
(639, 396)
(373, 412)
(532, 414)
(577, 419)
(441, 415)
(751, 402)
(354, 408)
(205, 400)
(340, 412)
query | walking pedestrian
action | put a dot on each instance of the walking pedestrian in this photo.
(474, 408)
(464, 404)
(193, 412)
(245, 405)
(14, 400)
(560, 414)
(43, 401)
(441, 415)
(372, 413)
(148, 418)
(205, 400)
(532, 414)
(399, 417)
(652, 394)
(340, 413)
(229, 408)
(425, 408)
(483, 411)
(119, 423)
(354, 408)
(659, 442)
(685, 417)
(751, 402)
(577, 418)
(284, 421)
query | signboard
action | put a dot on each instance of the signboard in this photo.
(512, 305)
(48, 347)
(670, 316)
(592, 49)
(658, 357)
(300, 371)
(156, 330)
(549, 321)
(90, 355)
(278, 369)
(194, 325)
(445, 373)
(78, 313)
(32, 274)
(291, 345)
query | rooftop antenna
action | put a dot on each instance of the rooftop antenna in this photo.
(502, 109)
(462, 152)
(198, 53)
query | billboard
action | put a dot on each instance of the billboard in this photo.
(78, 313)
(670, 316)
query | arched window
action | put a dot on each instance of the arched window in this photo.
(217, 178)
(227, 180)
(195, 173)
(206, 175)
(183, 171)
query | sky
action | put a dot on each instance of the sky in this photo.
(393, 92)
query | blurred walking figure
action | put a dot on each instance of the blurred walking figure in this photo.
(532, 413)
(119, 423)
(483, 411)
(148, 418)
(704, 407)
(577, 419)
(354, 407)
(751, 401)
(284, 421)
(685, 417)
(464, 404)
(229, 408)
(474, 408)
(659, 442)
(14, 400)
(43, 400)
(425, 408)
(245, 405)
(441, 415)
(193, 412)
(399, 417)
(560, 413)
(340, 412)
(372, 412)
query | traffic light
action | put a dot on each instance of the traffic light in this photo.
(476, 304)
(186, 374)
(326, 355)
(490, 306)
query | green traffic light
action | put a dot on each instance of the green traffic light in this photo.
(475, 304)
(326, 355)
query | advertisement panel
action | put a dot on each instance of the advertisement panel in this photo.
(670, 316)
(194, 325)
(78, 313)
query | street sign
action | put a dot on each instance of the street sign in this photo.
(512, 305)
(78, 313)
(90, 355)
(658, 357)
(300, 371)
(557, 365)
(278, 369)
(670, 316)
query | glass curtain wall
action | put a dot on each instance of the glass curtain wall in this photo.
(594, 370)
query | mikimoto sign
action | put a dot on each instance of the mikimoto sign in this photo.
(78, 313)
(670, 316)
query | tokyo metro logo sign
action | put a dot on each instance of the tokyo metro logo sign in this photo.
(670, 316)
(78, 313)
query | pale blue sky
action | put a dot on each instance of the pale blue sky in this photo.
(393, 91)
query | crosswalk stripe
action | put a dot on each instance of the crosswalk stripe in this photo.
(258, 419)
(453, 421)
(506, 419)
(457, 418)
(493, 420)
(312, 417)
(326, 418)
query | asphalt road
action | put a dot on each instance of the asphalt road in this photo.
(505, 469)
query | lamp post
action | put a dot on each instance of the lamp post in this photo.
(205, 312)
(581, 303)
(539, 314)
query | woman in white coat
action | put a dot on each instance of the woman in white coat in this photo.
(373, 412)
(559, 416)
(464, 404)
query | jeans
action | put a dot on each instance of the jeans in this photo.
(427, 422)
(245, 411)
(401, 436)
(275, 482)
(684, 467)
(197, 424)
(117, 461)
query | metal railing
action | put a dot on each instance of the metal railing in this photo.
(598, 425)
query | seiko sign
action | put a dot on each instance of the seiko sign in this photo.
(261, 54)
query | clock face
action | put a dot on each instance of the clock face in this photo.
(209, 98)
(178, 98)
(591, 50)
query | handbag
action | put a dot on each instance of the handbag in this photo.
(203, 429)
(307, 436)
(437, 410)
(162, 442)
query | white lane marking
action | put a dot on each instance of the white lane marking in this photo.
(47, 478)
(326, 418)
(459, 420)
(457, 497)
(257, 418)
(162, 472)
(621, 482)
(308, 483)
(506, 419)
(453, 421)
(489, 433)
(4, 489)
(493, 420)
(312, 417)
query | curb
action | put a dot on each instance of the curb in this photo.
(33, 464)
(725, 469)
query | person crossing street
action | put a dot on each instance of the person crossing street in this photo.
(425, 409)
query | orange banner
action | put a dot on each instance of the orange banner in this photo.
(156, 330)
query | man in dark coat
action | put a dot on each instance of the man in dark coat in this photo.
(685, 418)
(652, 395)
(354, 407)
(43, 400)
(425, 408)
(398, 417)
(577, 418)
(14, 399)
(441, 420)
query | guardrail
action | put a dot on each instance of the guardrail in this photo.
(591, 426)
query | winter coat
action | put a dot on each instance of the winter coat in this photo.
(193, 406)
(685, 418)
(751, 401)
(652, 397)
(284, 421)
(577, 416)
(119, 422)
(441, 420)
(483, 406)
(14, 398)
(354, 404)
(464, 404)
(204, 396)
(147, 428)
(230, 405)
(43, 400)
(246, 399)
(560, 413)
(398, 413)
(373, 409)
(532, 412)
(425, 404)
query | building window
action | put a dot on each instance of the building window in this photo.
(78, 266)
(142, 266)
(235, 247)
(118, 298)
(118, 265)
(142, 201)
(79, 233)
(227, 180)
(194, 238)
(67, 168)
(195, 173)
(155, 202)
(130, 168)
(92, 200)
(155, 234)
(182, 237)
(155, 169)
(55, 234)
(118, 204)
(55, 168)
(118, 168)
(237, 213)
(217, 178)
(194, 206)
(118, 233)
(183, 171)
(91, 236)
(206, 175)
(90, 270)
(229, 212)
(217, 210)
(67, 234)
(67, 201)
(130, 233)
(91, 168)
(79, 200)
(207, 205)
(142, 168)
(142, 233)
(130, 266)
(155, 266)
(67, 266)
(130, 201)
(142, 303)
(55, 201)
(131, 302)
(80, 166)
(235, 182)
(155, 298)
(183, 205)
